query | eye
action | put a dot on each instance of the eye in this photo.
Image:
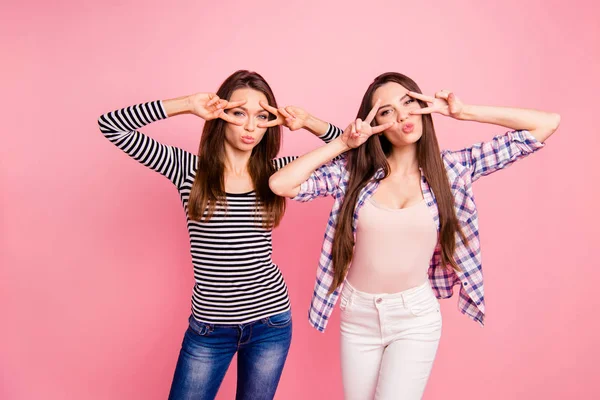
(409, 101)
(263, 117)
(238, 114)
(384, 113)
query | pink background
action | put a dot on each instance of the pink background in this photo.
(96, 277)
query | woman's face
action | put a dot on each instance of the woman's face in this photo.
(244, 137)
(396, 106)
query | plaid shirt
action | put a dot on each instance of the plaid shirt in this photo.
(463, 167)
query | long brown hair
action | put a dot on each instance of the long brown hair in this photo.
(208, 190)
(364, 161)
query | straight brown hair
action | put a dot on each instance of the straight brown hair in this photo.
(208, 189)
(364, 161)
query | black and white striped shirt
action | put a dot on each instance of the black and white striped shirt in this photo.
(236, 280)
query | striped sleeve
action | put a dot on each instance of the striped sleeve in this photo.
(283, 161)
(484, 158)
(120, 128)
(332, 133)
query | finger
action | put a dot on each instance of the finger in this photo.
(353, 131)
(358, 124)
(442, 95)
(213, 108)
(284, 113)
(213, 99)
(451, 99)
(420, 96)
(221, 104)
(233, 104)
(452, 103)
(426, 110)
(373, 112)
(348, 130)
(381, 128)
(226, 117)
(290, 110)
(267, 107)
(271, 123)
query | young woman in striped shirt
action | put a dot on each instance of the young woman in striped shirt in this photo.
(404, 218)
(239, 301)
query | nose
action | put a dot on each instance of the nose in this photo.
(403, 115)
(250, 125)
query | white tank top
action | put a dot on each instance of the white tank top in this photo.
(393, 248)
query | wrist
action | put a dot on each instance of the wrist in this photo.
(315, 125)
(310, 124)
(467, 113)
(179, 105)
(340, 145)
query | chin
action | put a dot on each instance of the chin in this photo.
(246, 147)
(402, 139)
(241, 147)
(412, 139)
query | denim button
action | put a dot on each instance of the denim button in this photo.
(379, 300)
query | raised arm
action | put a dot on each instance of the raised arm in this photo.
(287, 181)
(530, 128)
(539, 124)
(295, 118)
(121, 126)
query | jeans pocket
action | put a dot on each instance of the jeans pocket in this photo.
(280, 320)
(345, 301)
(424, 307)
(199, 328)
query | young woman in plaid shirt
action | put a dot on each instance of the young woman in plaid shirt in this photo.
(404, 217)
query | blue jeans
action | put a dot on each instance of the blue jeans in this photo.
(207, 350)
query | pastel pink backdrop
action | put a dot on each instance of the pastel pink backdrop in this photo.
(96, 277)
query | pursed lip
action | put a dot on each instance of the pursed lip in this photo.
(408, 127)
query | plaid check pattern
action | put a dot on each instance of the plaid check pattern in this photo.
(463, 167)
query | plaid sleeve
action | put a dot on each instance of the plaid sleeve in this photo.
(323, 182)
(500, 152)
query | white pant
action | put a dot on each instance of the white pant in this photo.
(388, 342)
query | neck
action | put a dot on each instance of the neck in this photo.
(236, 161)
(403, 160)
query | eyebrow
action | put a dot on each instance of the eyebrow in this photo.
(245, 109)
(389, 105)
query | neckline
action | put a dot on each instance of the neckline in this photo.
(239, 194)
(381, 206)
